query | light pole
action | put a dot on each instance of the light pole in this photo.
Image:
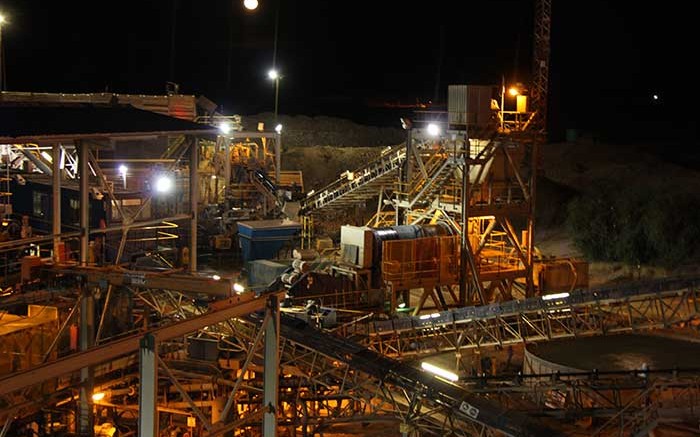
(2, 60)
(275, 75)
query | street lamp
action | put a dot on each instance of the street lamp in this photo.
(3, 20)
(273, 74)
(225, 128)
(164, 184)
(251, 5)
(433, 130)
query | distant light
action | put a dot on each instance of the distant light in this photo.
(439, 371)
(555, 296)
(273, 74)
(513, 91)
(251, 5)
(225, 128)
(213, 176)
(402, 305)
(655, 97)
(47, 156)
(2, 18)
(261, 126)
(123, 169)
(238, 288)
(278, 128)
(97, 397)
(164, 184)
(433, 130)
(216, 277)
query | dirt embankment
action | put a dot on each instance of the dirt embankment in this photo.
(304, 131)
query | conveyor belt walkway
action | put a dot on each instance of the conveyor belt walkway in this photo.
(365, 183)
(438, 393)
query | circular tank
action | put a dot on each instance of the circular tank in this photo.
(611, 353)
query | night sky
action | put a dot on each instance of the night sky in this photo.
(342, 58)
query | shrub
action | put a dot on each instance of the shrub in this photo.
(640, 223)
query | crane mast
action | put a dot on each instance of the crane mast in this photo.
(540, 67)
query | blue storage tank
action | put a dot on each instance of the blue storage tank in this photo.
(263, 239)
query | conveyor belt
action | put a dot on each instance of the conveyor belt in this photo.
(603, 296)
(460, 402)
(364, 184)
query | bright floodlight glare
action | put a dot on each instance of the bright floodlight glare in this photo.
(433, 129)
(555, 296)
(251, 5)
(513, 91)
(2, 18)
(225, 128)
(164, 184)
(238, 288)
(273, 74)
(439, 372)
(98, 396)
(216, 277)
(278, 128)
(123, 169)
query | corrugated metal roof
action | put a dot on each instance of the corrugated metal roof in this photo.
(31, 121)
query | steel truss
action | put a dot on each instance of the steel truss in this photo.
(599, 403)
(655, 304)
(332, 392)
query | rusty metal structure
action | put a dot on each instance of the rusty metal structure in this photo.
(483, 186)
(95, 345)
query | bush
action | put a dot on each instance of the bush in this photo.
(640, 223)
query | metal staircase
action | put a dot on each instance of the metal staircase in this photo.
(361, 184)
(431, 186)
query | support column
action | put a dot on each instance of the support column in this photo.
(464, 241)
(84, 201)
(278, 157)
(271, 368)
(405, 174)
(148, 387)
(56, 200)
(194, 198)
(531, 220)
(227, 166)
(87, 334)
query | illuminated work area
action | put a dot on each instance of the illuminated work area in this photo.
(170, 267)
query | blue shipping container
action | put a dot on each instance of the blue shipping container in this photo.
(263, 239)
